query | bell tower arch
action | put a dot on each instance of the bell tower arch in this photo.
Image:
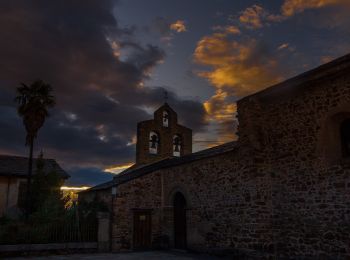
(162, 137)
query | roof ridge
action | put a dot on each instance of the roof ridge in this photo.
(167, 162)
(174, 161)
(175, 158)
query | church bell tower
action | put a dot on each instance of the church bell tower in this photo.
(162, 137)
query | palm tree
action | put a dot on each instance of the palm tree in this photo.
(33, 103)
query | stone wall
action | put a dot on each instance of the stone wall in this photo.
(224, 210)
(311, 180)
(140, 193)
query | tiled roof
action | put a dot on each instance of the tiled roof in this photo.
(136, 171)
(18, 166)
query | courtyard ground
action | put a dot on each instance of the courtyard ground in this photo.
(129, 256)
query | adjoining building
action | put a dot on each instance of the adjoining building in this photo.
(281, 190)
(13, 181)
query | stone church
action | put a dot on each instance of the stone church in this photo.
(281, 190)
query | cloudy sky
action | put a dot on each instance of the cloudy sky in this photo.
(110, 62)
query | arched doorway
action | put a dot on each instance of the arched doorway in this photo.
(180, 233)
(345, 137)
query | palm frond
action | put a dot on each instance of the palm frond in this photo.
(33, 103)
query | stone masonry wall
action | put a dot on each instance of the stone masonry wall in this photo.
(140, 193)
(228, 205)
(311, 180)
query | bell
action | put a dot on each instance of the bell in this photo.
(153, 141)
(177, 144)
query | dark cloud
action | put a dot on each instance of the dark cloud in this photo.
(97, 71)
(74, 143)
(88, 176)
(12, 131)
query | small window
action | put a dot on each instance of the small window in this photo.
(345, 137)
(177, 145)
(153, 142)
(165, 118)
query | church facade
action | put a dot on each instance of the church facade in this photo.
(281, 190)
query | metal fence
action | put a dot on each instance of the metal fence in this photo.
(57, 232)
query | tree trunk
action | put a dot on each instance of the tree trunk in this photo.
(29, 180)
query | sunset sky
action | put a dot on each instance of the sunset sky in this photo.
(110, 62)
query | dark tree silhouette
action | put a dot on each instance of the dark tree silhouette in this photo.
(33, 103)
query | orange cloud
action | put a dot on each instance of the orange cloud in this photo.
(221, 114)
(256, 16)
(74, 188)
(118, 168)
(178, 26)
(230, 29)
(218, 108)
(292, 7)
(235, 69)
(252, 17)
(234, 65)
(276, 18)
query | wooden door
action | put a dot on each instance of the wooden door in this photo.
(142, 230)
